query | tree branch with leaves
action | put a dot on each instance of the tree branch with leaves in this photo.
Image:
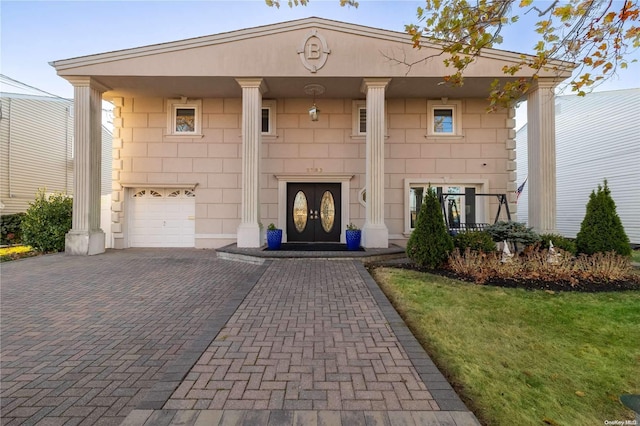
(595, 35)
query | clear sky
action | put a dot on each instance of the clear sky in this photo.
(34, 33)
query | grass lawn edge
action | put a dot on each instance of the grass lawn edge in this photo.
(532, 376)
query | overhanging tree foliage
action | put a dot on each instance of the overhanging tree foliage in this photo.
(597, 35)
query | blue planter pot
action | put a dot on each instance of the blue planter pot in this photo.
(274, 239)
(353, 239)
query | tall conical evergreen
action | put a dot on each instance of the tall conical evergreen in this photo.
(601, 229)
(430, 243)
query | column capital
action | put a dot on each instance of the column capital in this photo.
(545, 83)
(83, 81)
(373, 82)
(253, 82)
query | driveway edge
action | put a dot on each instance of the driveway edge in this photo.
(178, 369)
(434, 380)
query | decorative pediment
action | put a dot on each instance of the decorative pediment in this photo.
(312, 47)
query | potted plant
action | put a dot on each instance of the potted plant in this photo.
(353, 235)
(274, 237)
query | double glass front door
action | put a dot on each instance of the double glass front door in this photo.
(313, 212)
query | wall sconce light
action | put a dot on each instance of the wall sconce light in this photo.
(314, 89)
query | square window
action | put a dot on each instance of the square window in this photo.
(184, 117)
(185, 120)
(443, 120)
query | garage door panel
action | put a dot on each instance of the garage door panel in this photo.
(158, 220)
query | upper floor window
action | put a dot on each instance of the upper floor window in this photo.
(444, 118)
(184, 117)
(362, 120)
(268, 118)
(359, 118)
(359, 114)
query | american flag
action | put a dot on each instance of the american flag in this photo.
(521, 188)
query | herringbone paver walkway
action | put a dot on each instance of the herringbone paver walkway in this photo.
(311, 338)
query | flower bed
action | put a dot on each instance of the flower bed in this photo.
(15, 252)
(539, 270)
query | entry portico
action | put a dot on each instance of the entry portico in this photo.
(225, 119)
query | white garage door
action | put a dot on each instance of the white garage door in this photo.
(162, 218)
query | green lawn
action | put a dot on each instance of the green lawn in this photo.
(525, 357)
(635, 256)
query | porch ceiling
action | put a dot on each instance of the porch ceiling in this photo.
(286, 87)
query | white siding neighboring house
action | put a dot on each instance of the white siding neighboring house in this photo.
(36, 151)
(597, 138)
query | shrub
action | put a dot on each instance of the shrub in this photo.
(601, 229)
(47, 221)
(558, 242)
(474, 241)
(535, 265)
(10, 227)
(430, 243)
(513, 232)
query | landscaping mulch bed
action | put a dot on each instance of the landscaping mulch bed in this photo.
(552, 286)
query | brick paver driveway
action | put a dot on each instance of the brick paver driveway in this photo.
(84, 339)
(159, 337)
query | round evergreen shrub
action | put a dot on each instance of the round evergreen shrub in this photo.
(601, 229)
(513, 232)
(430, 244)
(474, 241)
(47, 221)
(559, 242)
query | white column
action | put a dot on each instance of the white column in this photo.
(375, 233)
(541, 135)
(249, 234)
(85, 236)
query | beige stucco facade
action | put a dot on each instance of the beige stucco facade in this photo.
(239, 172)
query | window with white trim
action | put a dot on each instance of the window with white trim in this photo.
(444, 118)
(268, 118)
(359, 118)
(463, 209)
(184, 117)
(359, 114)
